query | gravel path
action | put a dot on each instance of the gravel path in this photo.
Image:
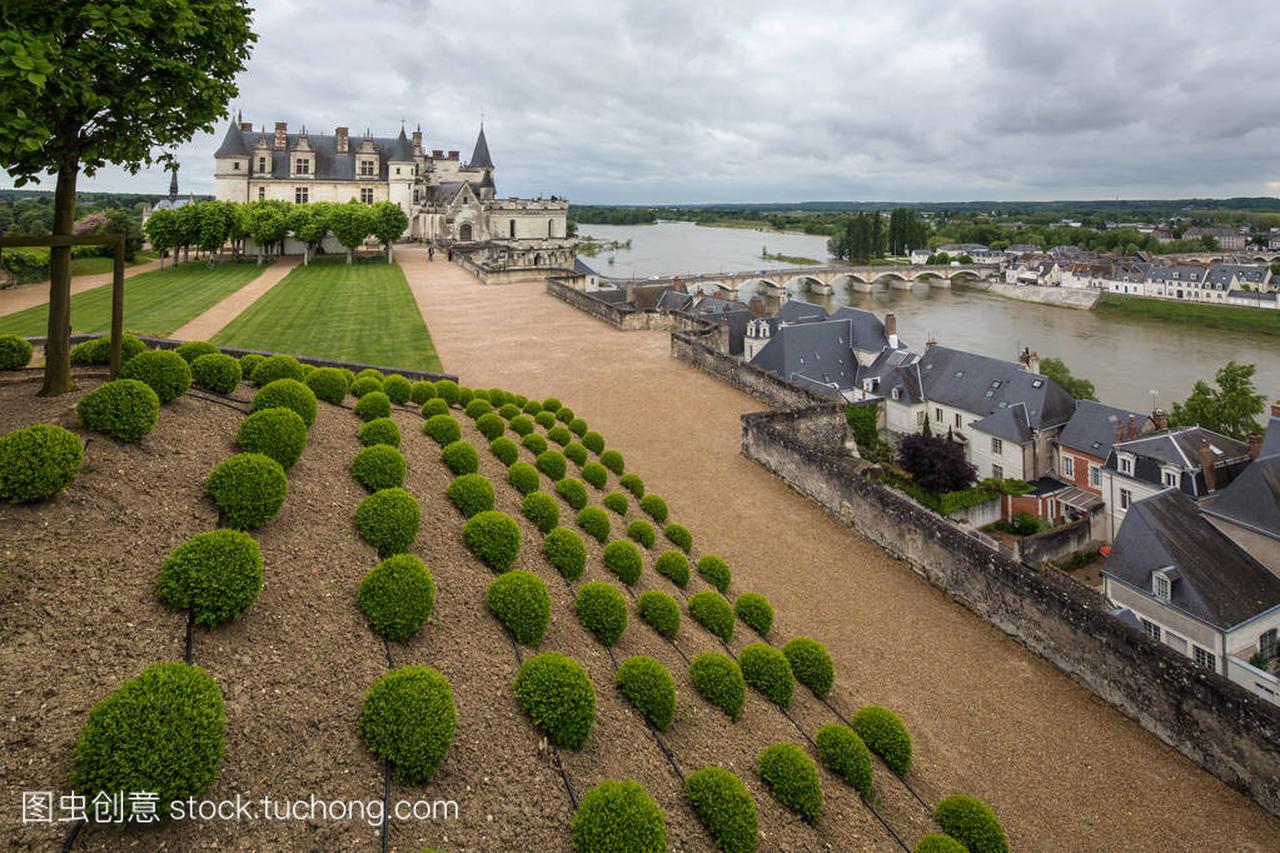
(209, 323)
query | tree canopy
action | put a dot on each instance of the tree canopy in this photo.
(935, 463)
(1231, 409)
(1057, 370)
(350, 224)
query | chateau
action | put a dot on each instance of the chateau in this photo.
(449, 203)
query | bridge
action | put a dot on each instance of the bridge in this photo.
(825, 279)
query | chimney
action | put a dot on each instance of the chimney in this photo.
(1160, 418)
(724, 334)
(282, 136)
(1206, 464)
(930, 342)
(246, 125)
(343, 145)
(453, 155)
(1030, 360)
(677, 284)
(1131, 428)
(1255, 445)
(437, 153)
(891, 330)
(757, 306)
(417, 140)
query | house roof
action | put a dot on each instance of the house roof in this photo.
(892, 369)
(1009, 423)
(821, 352)
(1252, 499)
(1223, 273)
(232, 143)
(480, 158)
(673, 300)
(868, 329)
(1254, 295)
(1092, 427)
(581, 268)
(982, 385)
(329, 164)
(1271, 441)
(799, 311)
(401, 149)
(1181, 446)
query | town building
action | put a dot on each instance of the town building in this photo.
(1227, 238)
(1086, 441)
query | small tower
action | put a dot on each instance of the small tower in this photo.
(759, 334)
(480, 160)
(173, 181)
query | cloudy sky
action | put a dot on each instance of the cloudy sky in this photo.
(652, 101)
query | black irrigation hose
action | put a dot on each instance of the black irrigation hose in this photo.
(227, 402)
(191, 622)
(386, 801)
(73, 835)
(386, 649)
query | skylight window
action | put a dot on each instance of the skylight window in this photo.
(990, 393)
(1036, 383)
(959, 374)
(1217, 451)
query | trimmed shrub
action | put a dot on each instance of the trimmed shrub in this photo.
(397, 388)
(531, 407)
(379, 431)
(593, 441)
(481, 394)
(616, 501)
(249, 489)
(168, 374)
(460, 457)
(718, 679)
(885, 735)
(329, 384)
(843, 753)
(559, 435)
(541, 509)
(623, 559)
(535, 443)
(276, 367)
(712, 611)
(124, 409)
(811, 664)
(443, 429)
(650, 688)
(524, 478)
(471, 494)
(408, 719)
(938, 843)
(578, 427)
(375, 404)
(572, 490)
(477, 407)
(507, 410)
(642, 531)
(715, 571)
(602, 610)
(379, 467)
(612, 460)
(98, 350)
(372, 373)
(595, 521)
(660, 612)
(724, 806)
(655, 507)
(680, 536)
(434, 406)
(595, 474)
(422, 391)
(279, 433)
(465, 396)
(494, 538)
(15, 352)
(397, 596)
(160, 732)
(766, 669)
(248, 363)
(754, 609)
(566, 550)
(291, 394)
(521, 602)
(551, 463)
(447, 390)
(618, 817)
(557, 694)
(575, 453)
(792, 778)
(633, 484)
(674, 566)
(216, 575)
(521, 425)
(37, 462)
(388, 520)
(307, 370)
(364, 385)
(216, 372)
(192, 350)
(545, 419)
(551, 404)
(971, 822)
(490, 425)
(564, 414)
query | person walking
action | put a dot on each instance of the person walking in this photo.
(431, 253)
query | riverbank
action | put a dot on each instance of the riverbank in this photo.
(1081, 300)
(1230, 317)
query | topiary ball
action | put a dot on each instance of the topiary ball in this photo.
(329, 384)
(971, 822)
(551, 463)
(434, 406)
(655, 507)
(379, 431)
(564, 414)
(215, 575)
(552, 405)
(98, 350)
(443, 429)
(521, 425)
(524, 477)
(545, 419)
(160, 732)
(249, 362)
(712, 611)
(477, 407)
(276, 367)
(520, 601)
(612, 460)
(290, 394)
(506, 450)
(494, 538)
(375, 404)
(465, 396)
(37, 462)
(388, 520)
(843, 753)
(531, 407)
(755, 610)
(422, 391)
(619, 817)
(811, 664)
(679, 536)
(447, 390)
(168, 374)
(193, 350)
(373, 372)
(124, 409)
(623, 559)
(616, 501)
(674, 566)
(593, 441)
(15, 352)
(792, 778)
(408, 719)
(715, 571)
(471, 494)
(397, 388)
(938, 843)
(642, 531)
(766, 669)
(885, 735)
(490, 425)
(379, 467)
(541, 509)
(718, 680)
(724, 806)
(362, 386)
(578, 427)
(559, 435)
(632, 484)
(660, 612)
(565, 550)
(507, 410)
(216, 372)
(595, 474)
(649, 687)
(460, 457)
(602, 610)
(249, 489)
(397, 596)
(575, 453)
(535, 444)
(573, 492)
(279, 433)
(557, 694)
(595, 521)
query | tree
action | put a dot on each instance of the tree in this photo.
(1057, 370)
(350, 224)
(213, 227)
(935, 463)
(309, 224)
(162, 231)
(87, 84)
(187, 231)
(388, 223)
(1231, 408)
(267, 223)
(120, 221)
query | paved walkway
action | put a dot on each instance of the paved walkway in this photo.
(211, 322)
(24, 296)
(987, 716)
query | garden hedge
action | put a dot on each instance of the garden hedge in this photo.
(279, 433)
(524, 478)
(490, 426)
(434, 406)
(388, 520)
(471, 494)
(541, 509)
(408, 719)
(724, 806)
(192, 350)
(447, 390)
(248, 363)
(536, 444)
(38, 462)
(379, 467)
(124, 409)
(494, 538)
(811, 664)
(521, 425)
(375, 404)
(616, 501)
(520, 601)
(443, 429)
(98, 350)
(593, 441)
(602, 610)
(633, 484)
(642, 531)
(573, 492)
(460, 457)
(655, 507)
(792, 778)
(612, 460)
(249, 489)
(566, 551)
(276, 367)
(168, 374)
(329, 384)
(884, 734)
(660, 612)
(397, 388)
(505, 450)
(623, 559)
(564, 414)
(575, 453)
(559, 435)
(767, 670)
(379, 431)
(551, 463)
(578, 427)
(397, 596)
(595, 474)
(715, 571)
(712, 611)
(478, 407)
(15, 352)
(422, 391)
(971, 822)
(754, 609)
(718, 679)
(843, 753)
(936, 842)
(679, 536)
(594, 521)
(290, 394)
(649, 687)
(362, 386)
(217, 372)
(557, 694)
(215, 575)
(618, 817)
(674, 566)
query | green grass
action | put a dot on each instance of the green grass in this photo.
(93, 266)
(1235, 318)
(155, 303)
(794, 260)
(363, 313)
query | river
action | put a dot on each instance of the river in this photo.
(1126, 358)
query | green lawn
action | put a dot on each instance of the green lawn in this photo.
(155, 303)
(1235, 318)
(94, 265)
(363, 313)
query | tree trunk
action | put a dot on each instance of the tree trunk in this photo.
(350, 252)
(388, 253)
(259, 253)
(57, 369)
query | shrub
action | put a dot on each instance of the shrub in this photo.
(618, 817)
(279, 433)
(434, 406)
(545, 419)
(165, 371)
(460, 457)
(249, 489)
(843, 753)
(307, 370)
(124, 409)
(490, 425)
(505, 450)
(679, 535)
(422, 391)
(766, 669)
(623, 559)
(655, 507)
(885, 735)
(291, 394)
(508, 410)
(578, 427)
(551, 463)
(938, 843)
(792, 778)
(397, 596)
(650, 688)
(521, 425)
(379, 431)
(595, 474)
(371, 373)
(593, 441)
(471, 494)
(388, 520)
(216, 575)
(362, 385)
(935, 463)
(565, 549)
(192, 350)
(559, 435)
(971, 822)
(37, 462)
(216, 372)
(329, 384)
(15, 352)
(576, 453)
(674, 566)
(535, 443)
(379, 467)
(715, 571)
(408, 719)
(811, 664)
(481, 394)
(595, 521)
(447, 390)
(712, 611)
(572, 490)
(642, 531)
(524, 478)
(478, 407)
(612, 460)
(754, 609)
(564, 414)
(602, 610)
(718, 679)
(633, 484)
(725, 807)
(248, 363)
(443, 428)
(375, 404)
(494, 538)
(521, 602)
(98, 350)
(660, 612)
(557, 694)
(617, 502)
(551, 404)
(465, 396)
(397, 388)
(160, 732)
(531, 407)
(541, 509)
(276, 367)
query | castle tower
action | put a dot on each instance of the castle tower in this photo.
(173, 181)
(481, 160)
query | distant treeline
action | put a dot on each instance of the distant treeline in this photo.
(30, 212)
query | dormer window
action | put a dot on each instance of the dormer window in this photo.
(262, 165)
(302, 166)
(1162, 583)
(367, 168)
(1126, 464)
(1169, 478)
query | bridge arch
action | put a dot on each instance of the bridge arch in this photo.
(808, 283)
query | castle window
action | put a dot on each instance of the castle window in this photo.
(262, 193)
(302, 166)
(301, 195)
(366, 168)
(262, 164)
(366, 195)
(235, 165)
(551, 228)
(512, 228)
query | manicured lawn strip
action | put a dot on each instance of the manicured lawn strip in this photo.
(1236, 318)
(93, 266)
(363, 313)
(155, 303)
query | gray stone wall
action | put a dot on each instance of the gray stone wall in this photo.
(698, 347)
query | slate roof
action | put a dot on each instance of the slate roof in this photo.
(868, 329)
(480, 158)
(329, 164)
(232, 143)
(1092, 427)
(1176, 273)
(892, 369)
(715, 305)
(581, 268)
(1180, 447)
(673, 300)
(1218, 582)
(819, 351)
(1221, 274)
(1254, 295)
(1252, 499)
(798, 311)
(984, 386)
(1009, 424)
(1271, 441)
